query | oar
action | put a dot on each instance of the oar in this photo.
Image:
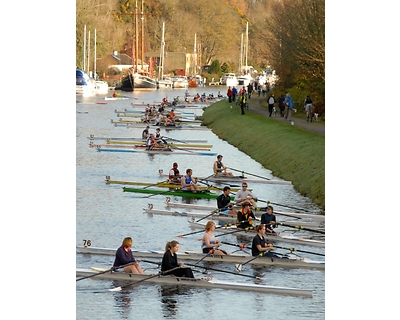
(212, 212)
(187, 234)
(175, 139)
(209, 252)
(243, 246)
(282, 205)
(296, 250)
(238, 267)
(251, 174)
(239, 229)
(300, 227)
(219, 270)
(161, 273)
(108, 270)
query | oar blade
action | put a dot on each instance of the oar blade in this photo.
(115, 289)
(238, 268)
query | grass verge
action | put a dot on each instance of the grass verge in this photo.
(291, 153)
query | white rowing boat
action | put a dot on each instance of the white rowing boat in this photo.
(223, 217)
(287, 237)
(92, 137)
(205, 282)
(315, 217)
(173, 151)
(176, 127)
(238, 179)
(288, 260)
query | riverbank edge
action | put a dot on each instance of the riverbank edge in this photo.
(291, 153)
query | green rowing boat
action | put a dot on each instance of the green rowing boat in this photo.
(180, 193)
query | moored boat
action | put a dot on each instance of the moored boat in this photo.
(205, 282)
(287, 260)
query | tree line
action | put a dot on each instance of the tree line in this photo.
(285, 35)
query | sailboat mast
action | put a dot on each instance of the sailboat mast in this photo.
(161, 69)
(88, 59)
(84, 48)
(136, 38)
(247, 41)
(94, 62)
(241, 55)
(142, 39)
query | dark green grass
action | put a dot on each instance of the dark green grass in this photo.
(292, 153)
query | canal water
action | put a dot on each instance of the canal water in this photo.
(105, 215)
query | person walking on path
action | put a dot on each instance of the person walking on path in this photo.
(250, 89)
(229, 94)
(242, 100)
(289, 105)
(281, 104)
(271, 102)
(234, 94)
(308, 106)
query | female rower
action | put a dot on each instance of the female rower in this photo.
(210, 241)
(170, 261)
(259, 244)
(124, 256)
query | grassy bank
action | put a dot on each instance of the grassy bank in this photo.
(291, 153)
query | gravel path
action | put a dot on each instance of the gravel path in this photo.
(299, 120)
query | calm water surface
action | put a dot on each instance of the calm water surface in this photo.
(105, 215)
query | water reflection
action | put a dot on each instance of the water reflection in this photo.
(122, 299)
(169, 299)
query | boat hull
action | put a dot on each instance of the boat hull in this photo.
(205, 282)
(292, 261)
(164, 184)
(178, 193)
(280, 237)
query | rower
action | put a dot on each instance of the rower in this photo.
(219, 168)
(243, 196)
(245, 216)
(269, 219)
(174, 176)
(145, 133)
(259, 245)
(159, 137)
(210, 241)
(188, 183)
(224, 202)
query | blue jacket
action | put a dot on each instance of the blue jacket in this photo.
(290, 101)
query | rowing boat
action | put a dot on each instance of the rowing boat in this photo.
(287, 260)
(179, 193)
(127, 146)
(316, 217)
(162, 184)
(238, 179)
(92, 137)
(116, 98)
(172, 144)
(162, 151)
(169, 127)
(223, 217)
(205, 282)
(284, 236)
